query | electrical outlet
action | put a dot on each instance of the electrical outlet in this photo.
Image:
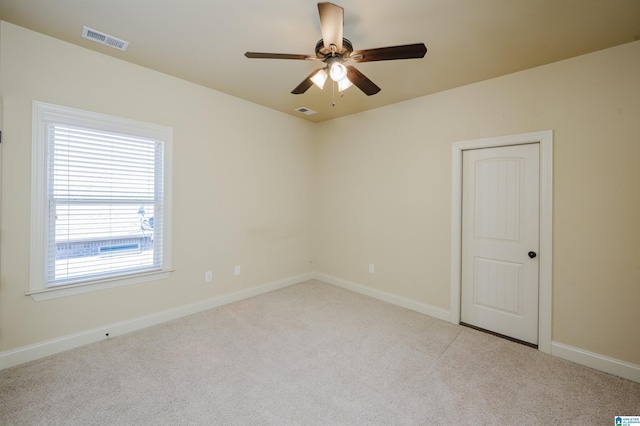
(236, 270)
(372, 268)
(208, 276)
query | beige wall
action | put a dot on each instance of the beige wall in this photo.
(272, 192)
(385, 190)
(243, 178)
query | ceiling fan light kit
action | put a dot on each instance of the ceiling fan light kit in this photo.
(344, 84)
(319, 78)
(334, 51)
(337, 71)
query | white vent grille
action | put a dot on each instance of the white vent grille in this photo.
(105, 39)
(306, 110)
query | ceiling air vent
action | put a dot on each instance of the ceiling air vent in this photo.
(306, 110)
(105, 39)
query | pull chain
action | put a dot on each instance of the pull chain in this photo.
(333, 94)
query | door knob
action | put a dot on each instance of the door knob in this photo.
(532, 254)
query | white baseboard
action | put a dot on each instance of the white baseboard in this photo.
(599, 362)
(579, 356)
(423, 308)
(50, 347)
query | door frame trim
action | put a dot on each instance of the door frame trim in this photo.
(545, 140)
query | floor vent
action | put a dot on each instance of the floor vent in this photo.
(105, 39)
(306, 110)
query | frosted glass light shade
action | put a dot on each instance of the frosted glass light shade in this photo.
(319, 78)
(337, 71)
(344, 84)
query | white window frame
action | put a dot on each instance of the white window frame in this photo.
(44, 113)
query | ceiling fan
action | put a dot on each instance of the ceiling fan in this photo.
(334, 51)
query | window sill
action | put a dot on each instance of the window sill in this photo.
(87, 287)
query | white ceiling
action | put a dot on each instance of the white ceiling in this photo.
(204, 41)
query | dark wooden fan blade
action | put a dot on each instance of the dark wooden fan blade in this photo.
(407, 51)
(361, 81)
(277, 56)
(306, 83)
(331, 24)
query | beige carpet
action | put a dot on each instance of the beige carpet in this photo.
(310, 354)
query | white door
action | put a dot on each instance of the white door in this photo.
(500, 238)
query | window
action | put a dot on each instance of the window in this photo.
(101, 201)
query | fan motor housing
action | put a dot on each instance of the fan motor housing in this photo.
(324, 52)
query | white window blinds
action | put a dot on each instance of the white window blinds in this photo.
(105, 204)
